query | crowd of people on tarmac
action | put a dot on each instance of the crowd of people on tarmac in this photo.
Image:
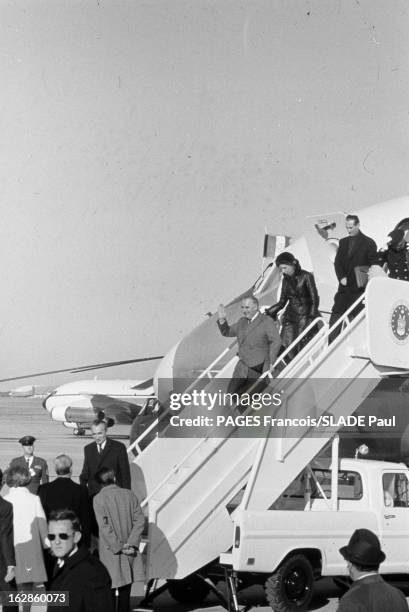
(61, 536)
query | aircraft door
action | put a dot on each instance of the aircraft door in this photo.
(323, 233)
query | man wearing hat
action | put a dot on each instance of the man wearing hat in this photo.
(36, 465)
(396, 256)
(369, 592)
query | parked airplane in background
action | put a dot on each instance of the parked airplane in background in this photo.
(78, 403)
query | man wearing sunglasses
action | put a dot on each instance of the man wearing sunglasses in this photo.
(76, 571)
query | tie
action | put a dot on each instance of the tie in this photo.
(58, 566)
(99, 448)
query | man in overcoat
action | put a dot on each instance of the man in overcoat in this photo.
(369, 592)
(104, 452)
(63, 492)
(356, 253)
(77, 571)
(120, 521)
(7, 556)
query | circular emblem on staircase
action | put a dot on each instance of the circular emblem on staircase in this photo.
(400, 322)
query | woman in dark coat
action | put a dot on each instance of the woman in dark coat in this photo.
(299, 294)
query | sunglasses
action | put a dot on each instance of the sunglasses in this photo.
(62, 536)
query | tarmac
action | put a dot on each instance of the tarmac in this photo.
(26, 416)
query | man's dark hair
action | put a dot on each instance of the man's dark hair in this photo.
(105, 476)
(353, 218)
(65, 515)
(97, 422)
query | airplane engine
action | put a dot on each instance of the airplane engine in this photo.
(73, 414)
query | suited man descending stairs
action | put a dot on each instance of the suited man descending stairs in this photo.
(356, 251)
(258, 340)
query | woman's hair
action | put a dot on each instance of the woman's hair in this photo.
(18, 476)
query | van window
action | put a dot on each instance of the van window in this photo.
(349, 485)
(395, 490)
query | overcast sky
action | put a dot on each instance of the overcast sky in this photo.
(146, 144)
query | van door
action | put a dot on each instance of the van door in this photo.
(395, 521)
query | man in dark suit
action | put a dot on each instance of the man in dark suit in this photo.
(104, 452)
(369, 592)
(258, 340)
(64, 493)
(354, 251)
(36, 465)
(77, 571)
(7, 557)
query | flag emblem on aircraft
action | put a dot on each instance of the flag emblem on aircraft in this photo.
(400, 323)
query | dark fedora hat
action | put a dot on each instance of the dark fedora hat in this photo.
(363, 548)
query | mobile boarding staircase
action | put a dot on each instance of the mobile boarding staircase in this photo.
(191, 481)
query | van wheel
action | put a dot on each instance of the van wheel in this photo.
(291, 586)
(188, 590)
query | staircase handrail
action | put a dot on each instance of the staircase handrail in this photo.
(174, 469)
(177, 466)
(136, 443)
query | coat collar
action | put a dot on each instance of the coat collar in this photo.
(105, 449)
(370, 579)
(69, 562)
(252, 324)
(356, 241)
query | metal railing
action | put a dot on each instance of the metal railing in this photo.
(175, 469)
(306, 354)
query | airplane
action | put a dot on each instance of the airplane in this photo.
(77, 404)
(134, 402)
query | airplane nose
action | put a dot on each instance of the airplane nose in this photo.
(44, 402)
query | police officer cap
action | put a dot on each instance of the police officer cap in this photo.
(27, 440)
